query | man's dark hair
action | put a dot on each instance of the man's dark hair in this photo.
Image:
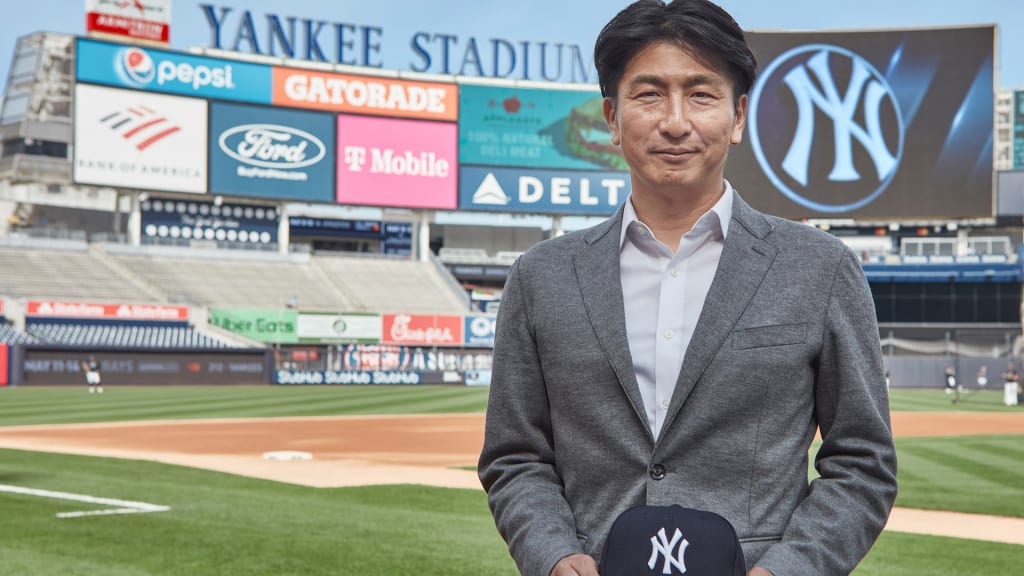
(695, 25)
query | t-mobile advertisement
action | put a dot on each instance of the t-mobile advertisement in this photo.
(400, 163)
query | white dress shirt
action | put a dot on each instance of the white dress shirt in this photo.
(664, 293)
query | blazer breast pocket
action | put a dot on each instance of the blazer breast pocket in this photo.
(766, 336)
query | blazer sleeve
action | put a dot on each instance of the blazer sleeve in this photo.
(517, 465)
(848, 504)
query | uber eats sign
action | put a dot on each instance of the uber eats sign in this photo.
(272, 326)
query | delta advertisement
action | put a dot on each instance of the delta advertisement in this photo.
(536, 128)
(171, 72)
(271, 152)
(139, 140)
(396, 162)
(542, 191)
(870, 124)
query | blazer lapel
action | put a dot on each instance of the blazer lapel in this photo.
(745, 260)
(597, 272)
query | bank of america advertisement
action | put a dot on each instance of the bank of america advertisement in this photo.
(271, 152)
(870, 124)
(141, 68)
(397, 162)
(139, 140)
(561, 129)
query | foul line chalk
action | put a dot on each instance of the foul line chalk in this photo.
(124, 506)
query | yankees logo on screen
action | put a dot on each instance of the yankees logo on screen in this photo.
(826, 128)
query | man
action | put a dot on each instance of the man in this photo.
(686, 350)
(92, 375)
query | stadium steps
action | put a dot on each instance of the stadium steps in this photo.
(154, 293)
(392, 285)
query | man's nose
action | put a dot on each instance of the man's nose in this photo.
(675, 120)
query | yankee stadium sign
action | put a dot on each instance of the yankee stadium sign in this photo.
(360, 45)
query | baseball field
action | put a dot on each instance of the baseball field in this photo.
(176, 481)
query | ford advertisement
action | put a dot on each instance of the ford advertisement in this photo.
(271, 152)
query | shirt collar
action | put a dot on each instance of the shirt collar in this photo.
(719, 215)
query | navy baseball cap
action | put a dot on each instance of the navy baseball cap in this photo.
(671, 540)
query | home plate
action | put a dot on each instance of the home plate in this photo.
(287, 455)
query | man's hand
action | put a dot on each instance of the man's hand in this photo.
(758, 571)
(576, 565)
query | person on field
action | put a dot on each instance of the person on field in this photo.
(687, 350)
(91, 368)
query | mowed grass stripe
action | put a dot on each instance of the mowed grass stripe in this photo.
(964, 461)
(190, 402)
(936, 400)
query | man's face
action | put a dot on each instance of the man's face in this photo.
(674, 118)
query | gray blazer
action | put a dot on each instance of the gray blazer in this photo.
(787, 343)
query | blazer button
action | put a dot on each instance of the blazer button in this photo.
(657, 472)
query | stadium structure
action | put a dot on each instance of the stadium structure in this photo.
(216, 217)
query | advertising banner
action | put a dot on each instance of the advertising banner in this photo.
(422, 329)
(538, 128)
(205, 220)
(40, 365)
(541, 191)
(150, 312)
(893, 124)
(149, 20)
(332, 328)
(271, 326)
(413, 358)
(5, 369)
(399, 163)
(479, 331)
(353, 377)
(271, 152)
(372, 95)
(137, 140)
(1018, 130)
(171, 72)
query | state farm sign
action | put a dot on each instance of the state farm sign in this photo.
(52, 309)
(422, 329)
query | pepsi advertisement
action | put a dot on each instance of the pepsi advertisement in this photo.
(271, 152)
(142, 68)
(892, 124)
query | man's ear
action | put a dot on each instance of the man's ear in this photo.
(740, 121)
(610, 117)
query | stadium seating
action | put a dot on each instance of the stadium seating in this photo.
(8, 335)
(121, 335)
(40, 273)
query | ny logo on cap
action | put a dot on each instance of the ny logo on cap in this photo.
(661, 546)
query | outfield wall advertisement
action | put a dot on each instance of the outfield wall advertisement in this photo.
(139, 140)
(886, 124)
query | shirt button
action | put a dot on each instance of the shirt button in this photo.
(664, 404)
(657, 472)
(674, 273)
(669, 334)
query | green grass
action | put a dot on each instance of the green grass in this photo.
(59, 405)
(222, 524)
(936, 400)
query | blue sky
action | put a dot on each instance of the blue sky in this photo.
(573, 22)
